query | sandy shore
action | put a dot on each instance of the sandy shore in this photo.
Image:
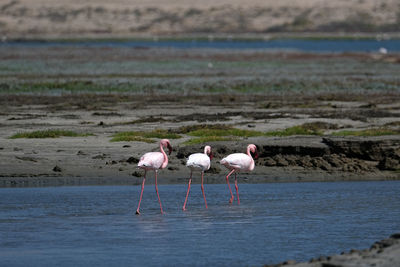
(384, 253)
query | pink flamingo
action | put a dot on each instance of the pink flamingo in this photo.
(239, 162)
(201, 162)
(154, 161)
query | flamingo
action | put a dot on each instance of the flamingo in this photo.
(154, 161)
(239, 162)
(201, 162)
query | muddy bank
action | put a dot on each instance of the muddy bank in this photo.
(289, 159)
(384, 253)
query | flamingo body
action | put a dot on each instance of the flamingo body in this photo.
(154, 161)
(198, 162)
(239, 162)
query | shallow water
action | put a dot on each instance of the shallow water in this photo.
(88, 225)
(341, 45)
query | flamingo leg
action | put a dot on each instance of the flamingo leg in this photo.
(187, 193)
(202, 188)
(227, 181)
(141, 194)
(159, 201)
(237, 190)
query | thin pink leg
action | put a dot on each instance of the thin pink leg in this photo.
(141, 194)
(202, 189)
(227, 181)
(237, 190)
(187, 193)
(159, 200)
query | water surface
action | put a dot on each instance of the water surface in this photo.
(96, 225)
(340, 45)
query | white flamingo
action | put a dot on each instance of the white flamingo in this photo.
(239, 162)
(154, 161)
(200, 162)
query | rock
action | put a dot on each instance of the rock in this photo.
(269, 162)
(57, 169)
(280, 161)
(26, 158)
(304, 161)
(137, 174)
(132, 160)
(395, 236)
(81, 153)
(389, 164)
(289, 262)
(125, 146)
(214, 169)
(101, 156)
(320, 163)
(334, 160)
(173, 168)
(291, 159)
(372, 148)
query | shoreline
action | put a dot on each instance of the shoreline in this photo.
(207, 37)
(47, 180)
(383, 253)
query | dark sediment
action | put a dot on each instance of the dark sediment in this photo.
(384, 253)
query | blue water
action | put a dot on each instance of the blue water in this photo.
(290, 44)
(96, 225)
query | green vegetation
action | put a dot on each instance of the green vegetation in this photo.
(207, 139)
(368, 132)
(128, 137)
(225, 132)
(193, 128)
(49, 134)
(296, 130)
(144, 136)
(218, 132)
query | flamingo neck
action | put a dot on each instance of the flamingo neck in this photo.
(252, 160)
(165, 162)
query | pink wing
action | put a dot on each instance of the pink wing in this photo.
(237, 161)
(151, 161)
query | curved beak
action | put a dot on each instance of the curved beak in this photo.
(211, 155)
(256, 154)
(169, 148)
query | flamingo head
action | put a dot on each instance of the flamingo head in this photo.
(208, 152)
(167, 144)
(253, 151)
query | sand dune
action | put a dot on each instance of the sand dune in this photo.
(123, 18)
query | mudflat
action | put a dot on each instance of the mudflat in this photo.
(314, 117)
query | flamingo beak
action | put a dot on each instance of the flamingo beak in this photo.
(255, 154)
(169, 148)
(211, 155)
